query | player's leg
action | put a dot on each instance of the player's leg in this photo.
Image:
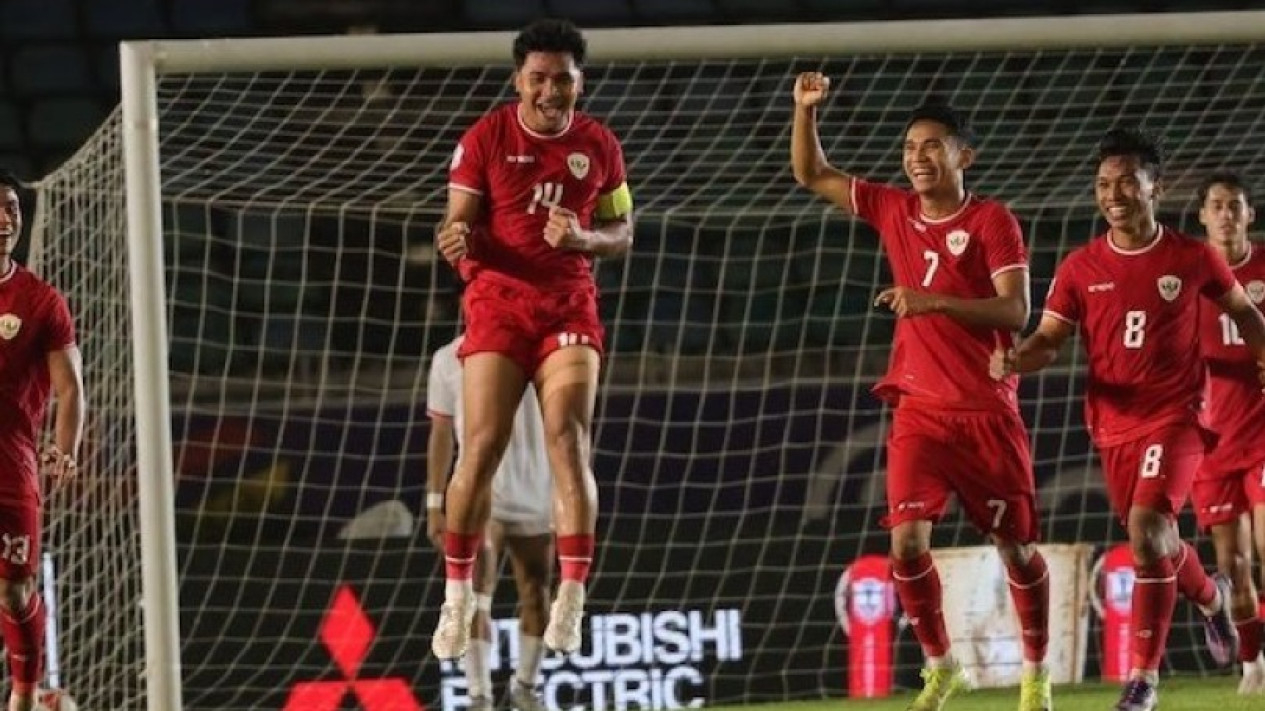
(918, 450)
(22, 616)
(566, 384)
(478, 656)
(531, 555)
(1233, 544)
(492, 385)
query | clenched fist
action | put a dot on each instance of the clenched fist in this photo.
(811, 88)
(563, 230)
(450, 240)
(906, 302)
(1001, 364)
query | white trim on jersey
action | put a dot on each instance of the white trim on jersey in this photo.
(465, 188)
(1059, 316)
(970, 198)
(1247, 257)
(1160, 234)
(1008, 268)
(518, 114)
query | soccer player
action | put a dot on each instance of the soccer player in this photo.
(961, 277)
(521, 523)
(1134, 293)
(1230, 485)
(537, 190)
(37, 354)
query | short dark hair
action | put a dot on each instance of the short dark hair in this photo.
(1233, 181)
(944, 114)
(9, 180)
(550, 35)
(1136, 142)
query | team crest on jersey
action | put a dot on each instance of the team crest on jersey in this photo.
(578, 163)
(1170, 287)
(1256, 291)
(10, 324)
(956, 241)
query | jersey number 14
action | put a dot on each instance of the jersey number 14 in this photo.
(545, 195)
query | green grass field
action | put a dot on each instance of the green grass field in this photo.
(1175, 695)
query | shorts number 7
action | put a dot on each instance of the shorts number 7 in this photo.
(999, 506)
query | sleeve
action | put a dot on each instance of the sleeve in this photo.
(1220, 279)
(1063, 301)
(614, 199)
(872, 201)
(60, 331)
(441, 396)
(1004, 238)
(468, 169)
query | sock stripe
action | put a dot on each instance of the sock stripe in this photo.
(1028, 586)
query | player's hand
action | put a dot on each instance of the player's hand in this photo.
(451, 241)
(58, 465)
(1003, 363)
(906, 302)
(563, 230)
(435, 524)
(811, 88)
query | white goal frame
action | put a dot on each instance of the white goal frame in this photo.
(142, 63)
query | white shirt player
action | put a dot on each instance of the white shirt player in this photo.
(522, 490)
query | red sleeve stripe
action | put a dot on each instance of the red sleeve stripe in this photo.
(1059, 316)
(465, 188)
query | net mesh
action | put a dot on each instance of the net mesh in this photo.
(738, 450)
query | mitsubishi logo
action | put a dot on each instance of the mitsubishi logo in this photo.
(347, 633)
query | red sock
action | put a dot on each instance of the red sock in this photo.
(460, 552)
(1249, 639)
(1030, 591)
(1154, 598)
(24, 643)
(575, 556)
(1261, 600)
(918, 586)
(1192, 580)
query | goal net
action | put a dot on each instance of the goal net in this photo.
(738, 450)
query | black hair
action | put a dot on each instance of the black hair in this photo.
(1233, 181)
(9, 180)
(944, 114)
(550, 35)
(1138, 143)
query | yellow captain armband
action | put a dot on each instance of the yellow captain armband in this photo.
(615, 204)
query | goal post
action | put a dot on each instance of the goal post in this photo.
(755, 301)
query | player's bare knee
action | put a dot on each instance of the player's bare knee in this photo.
(16, 594)
(1012, 553)
(1151, 537)
(911, 540)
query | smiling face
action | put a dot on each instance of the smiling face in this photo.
(549, 84)
(10, 221)
(1226, 216)
(1126, 194)
(934, 159)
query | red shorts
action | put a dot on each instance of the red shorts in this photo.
(1221, 495)
(19, 541)
(1155, 471)
(983, 457)
(527, 324)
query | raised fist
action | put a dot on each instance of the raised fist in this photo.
(811, 88)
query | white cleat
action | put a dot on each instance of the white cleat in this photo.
(1253, 681)
(563, 632)
(452, 634)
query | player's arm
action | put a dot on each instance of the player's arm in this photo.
(439, 451)
(1008, 310)
(65, 370)
(808, 160)
(1236, 304)
(1039, 350)
(450, 235)
(612, 231)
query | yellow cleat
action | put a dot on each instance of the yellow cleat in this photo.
(938, 684)
(1034, 691)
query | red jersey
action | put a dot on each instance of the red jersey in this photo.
(935, 358)
(34, 321)
(1138, 315)
(1235, 407)
(520, 174)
